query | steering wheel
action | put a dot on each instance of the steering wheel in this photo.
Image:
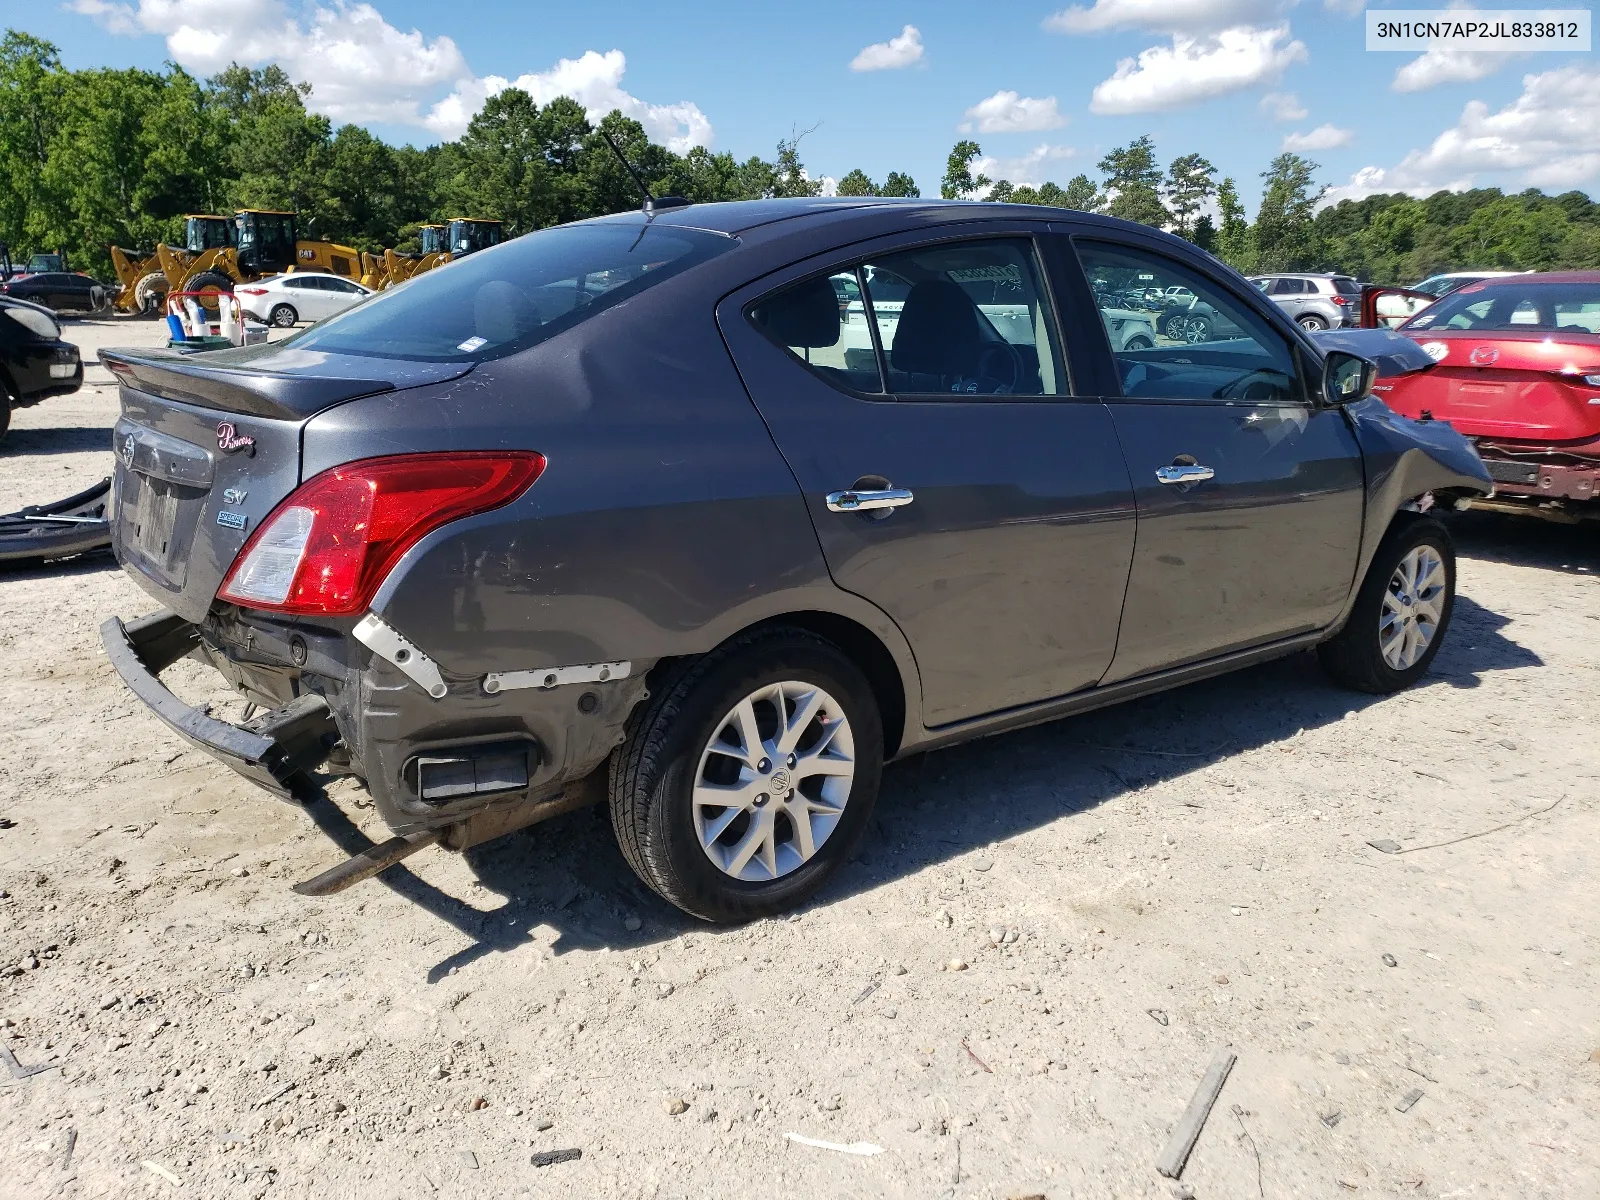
(1005, 355)
(1257, 385)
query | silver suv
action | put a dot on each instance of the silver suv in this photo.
(1314, 301)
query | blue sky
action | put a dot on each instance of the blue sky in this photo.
(1045, 90)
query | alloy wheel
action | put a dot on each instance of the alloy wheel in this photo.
(1412, 607)
(773, 781)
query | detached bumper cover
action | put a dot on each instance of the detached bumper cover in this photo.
(276, 750)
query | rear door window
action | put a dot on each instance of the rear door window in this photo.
(967, 319)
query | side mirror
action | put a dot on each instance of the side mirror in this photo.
(1347, 378)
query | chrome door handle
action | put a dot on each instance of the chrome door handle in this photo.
(862, 501)
(1184, 473)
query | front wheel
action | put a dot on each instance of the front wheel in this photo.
(1401, 613)
(748, 777)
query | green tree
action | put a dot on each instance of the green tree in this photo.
(900, 185)
(1081, 194)
(790, 172)
(1285, 230)
(959, 182)
(1189, 185)
(1235, 240)
(1133, 183)
(856, 183)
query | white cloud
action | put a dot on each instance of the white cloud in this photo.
(1548, 137)
(363, 69)
(1032, 168)
(1283, 106)
(1447, 66)
(1007, 112)
(1323, 137)
(594, 81)
(1165, 16)
(1196, 69)
(892, 55)
(359, 66)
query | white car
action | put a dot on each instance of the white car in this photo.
(285, 300)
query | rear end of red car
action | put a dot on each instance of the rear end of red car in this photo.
(1517, 369)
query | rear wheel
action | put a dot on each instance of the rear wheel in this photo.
(284, 316)
(1137, 342)
(748, 777)
(1401, 613)
(1310, 322)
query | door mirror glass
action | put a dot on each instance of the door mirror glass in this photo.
(1347, 378)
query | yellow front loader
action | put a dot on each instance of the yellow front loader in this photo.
(223, 251)
(144, 284)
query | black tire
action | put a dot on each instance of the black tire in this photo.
(653, 772)
(1354, 656)
(1197, 329)
(1310, 322)
(283, 316)
(6, 399)
(150, 294)
(1138, 342)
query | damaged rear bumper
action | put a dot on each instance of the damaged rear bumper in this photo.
(277, 750)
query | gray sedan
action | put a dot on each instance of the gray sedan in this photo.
(706, 512)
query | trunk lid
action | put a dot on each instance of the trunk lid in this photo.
(1526, 387)
(207, 448)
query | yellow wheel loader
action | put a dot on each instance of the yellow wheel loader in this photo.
(219, 252)
(144, 284)
(457, 237)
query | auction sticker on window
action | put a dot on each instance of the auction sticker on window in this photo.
(1492, 30)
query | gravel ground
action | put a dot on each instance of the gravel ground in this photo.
(1013, 991)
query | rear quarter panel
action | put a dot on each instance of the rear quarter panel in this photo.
(665, 521)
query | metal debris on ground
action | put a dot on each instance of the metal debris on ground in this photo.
(548, 1158)
(1385, 845)
(865, 1149)
(1187, 1131)
(1408, 1100)
(986, 1068)
(156, 1168)
(18, 1071)
(1389, 960)
(1157, 1015)
(866, 991)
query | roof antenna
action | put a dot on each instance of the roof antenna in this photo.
(652, 204)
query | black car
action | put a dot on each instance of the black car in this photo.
(34, 362)
(61, 290)
(630, 511)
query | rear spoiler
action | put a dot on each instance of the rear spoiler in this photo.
(211, 380)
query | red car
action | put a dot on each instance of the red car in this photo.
(1517, 370)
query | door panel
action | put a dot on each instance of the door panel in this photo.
(1252, 531)
(1007, 569)
(1265, 549)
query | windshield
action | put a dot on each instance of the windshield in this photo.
(1526, 303)
(514, 295)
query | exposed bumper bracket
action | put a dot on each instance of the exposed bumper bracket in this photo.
(366, 864)
(549, 677)
(389, 644)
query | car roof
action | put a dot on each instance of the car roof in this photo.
(734, 217)
(1543, 277)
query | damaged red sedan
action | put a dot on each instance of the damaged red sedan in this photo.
(1517, 370)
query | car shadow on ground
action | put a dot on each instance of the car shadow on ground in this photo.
(567, 875)
(64, 439)
(1528, 542)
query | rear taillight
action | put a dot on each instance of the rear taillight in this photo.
(251, 291)
(329, 545)
(1338, 299)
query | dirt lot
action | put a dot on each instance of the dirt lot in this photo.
(1128, 892)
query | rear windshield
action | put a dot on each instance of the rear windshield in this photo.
(1522, 303)
(1346, 286)
(515, 295)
